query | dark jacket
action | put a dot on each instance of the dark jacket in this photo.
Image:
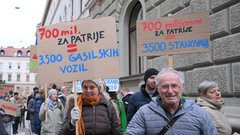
(2, 128)
(28, 113)
(31, 106)
(31, 110)
(63, 100)
(125, 100)
(137, 100)
(98, 120)
(7, 118)
(37, 121)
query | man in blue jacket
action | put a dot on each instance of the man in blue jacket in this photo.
(154, 118)
(145, 95)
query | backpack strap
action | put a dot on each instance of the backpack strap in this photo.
(169, 125)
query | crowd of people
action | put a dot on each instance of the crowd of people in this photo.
(158, 108)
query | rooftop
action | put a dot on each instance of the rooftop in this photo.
(10, 51)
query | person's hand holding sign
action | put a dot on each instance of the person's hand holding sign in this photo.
(75, 115)
(45, 108)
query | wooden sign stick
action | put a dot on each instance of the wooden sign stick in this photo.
(75, 104)
(170, 61)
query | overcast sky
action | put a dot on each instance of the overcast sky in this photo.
(18, 26)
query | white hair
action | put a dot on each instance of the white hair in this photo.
(171, 70)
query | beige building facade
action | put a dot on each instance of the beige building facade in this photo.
(14, 70)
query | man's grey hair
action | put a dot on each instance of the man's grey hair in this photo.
(171, 70)
(206, 85)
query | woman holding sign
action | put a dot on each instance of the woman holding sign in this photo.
(94, 115)
(7, 119)
(55, 114)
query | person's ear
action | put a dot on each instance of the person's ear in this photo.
(182, 87)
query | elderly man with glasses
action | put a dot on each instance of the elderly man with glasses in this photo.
(171, 114)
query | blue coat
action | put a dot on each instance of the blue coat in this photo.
(137, 100)
(37, 121)
(151, 118)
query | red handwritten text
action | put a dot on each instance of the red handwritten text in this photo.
(5, 107)
(150, 26)
(176, 23)
(55, 32)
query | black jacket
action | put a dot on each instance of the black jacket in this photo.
(137, 100)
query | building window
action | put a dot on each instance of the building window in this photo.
(1, 78)
(60, 19)
(2, 52)
(1, 66)
(65, 13)
(9, 65)
(19, 53)
(135, 63)
(85, 3)
(9, 77)
(18, 66)
(27, 78)
(28, 66)
(18, 77)
(28, 53)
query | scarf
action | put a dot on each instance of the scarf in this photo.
(93, 101)
(217, 105)
(52, 104)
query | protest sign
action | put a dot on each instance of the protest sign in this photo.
(78, 50)
(112, 83)
(78, 86)
(176, 34)
(33, 59)
(5, 88)
(9, 107)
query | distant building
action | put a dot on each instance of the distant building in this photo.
(14, 69)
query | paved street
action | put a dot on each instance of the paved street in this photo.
(24, 130)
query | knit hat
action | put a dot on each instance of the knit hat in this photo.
(149, 72)
(35, 92)
(51, 91)
(65, 88)
(96, 81)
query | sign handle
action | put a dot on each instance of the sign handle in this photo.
(170, 61)
(45, 91)
(75, 104)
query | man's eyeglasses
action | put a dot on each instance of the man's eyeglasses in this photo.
(173, 86)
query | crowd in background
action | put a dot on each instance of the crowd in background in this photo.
(157, 108)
